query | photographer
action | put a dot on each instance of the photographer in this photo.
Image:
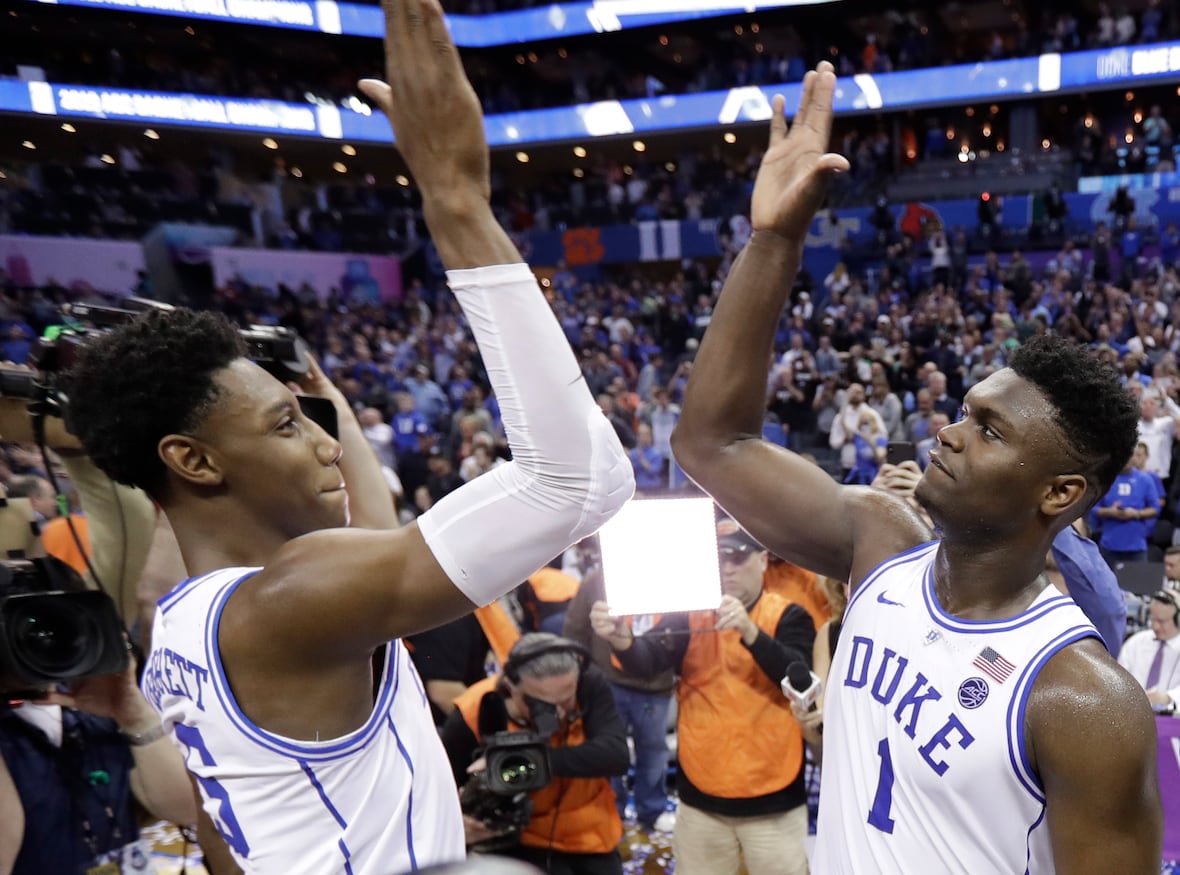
(739, 749)
(73, 761)
(71, 765)
(574, 828)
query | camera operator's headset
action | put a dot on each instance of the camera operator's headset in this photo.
(1166, 598)
(522, 656)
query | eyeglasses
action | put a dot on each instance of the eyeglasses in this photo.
(736, 555)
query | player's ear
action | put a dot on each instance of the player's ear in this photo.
(190, 459)
(1065, 492)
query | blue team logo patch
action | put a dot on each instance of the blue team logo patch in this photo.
(973, 692)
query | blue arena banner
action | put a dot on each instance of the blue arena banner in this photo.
(588, 248)
(468, 31)
(998, 80)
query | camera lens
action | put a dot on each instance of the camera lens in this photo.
(517, 770)
(53, 637)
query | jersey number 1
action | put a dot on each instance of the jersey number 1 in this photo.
(883, 798)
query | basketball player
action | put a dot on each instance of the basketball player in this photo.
(277, 665)
(975, 721)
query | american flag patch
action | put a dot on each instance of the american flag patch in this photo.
(994, 665)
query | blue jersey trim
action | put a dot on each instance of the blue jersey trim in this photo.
(1017, 749)
(1037, 611)
(334, 749)
(1028, 841)
(319, 788)
(347, 857)
(913, 554)
(186, 587)
(409, 796)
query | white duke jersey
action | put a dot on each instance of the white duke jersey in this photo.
(378, 801)
(925, 766)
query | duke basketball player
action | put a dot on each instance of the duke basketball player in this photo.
(975, 723)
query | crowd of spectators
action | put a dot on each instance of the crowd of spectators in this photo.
(905, 339)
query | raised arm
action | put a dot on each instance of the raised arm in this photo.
(338, 593)
(791, 506)
(1093, 742)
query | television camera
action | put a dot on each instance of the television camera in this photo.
(278, 350)
(517, 764)
(52, 629)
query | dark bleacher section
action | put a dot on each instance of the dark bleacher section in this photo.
(110, 201)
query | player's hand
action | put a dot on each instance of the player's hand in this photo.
(613, 629)
(731, 614)
(434, 112)
(796, 168)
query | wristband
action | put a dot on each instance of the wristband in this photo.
(141, 739)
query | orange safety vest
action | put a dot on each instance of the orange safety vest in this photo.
(59, 541)
(572, 815)
(800, 586)
(554, 586)
(737, 736)
(499, 628)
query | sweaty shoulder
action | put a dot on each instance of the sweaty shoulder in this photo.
(1090, 738)
(1085, 712)
(883, 525)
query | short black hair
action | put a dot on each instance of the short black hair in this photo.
(143, 380)
(1097, 415)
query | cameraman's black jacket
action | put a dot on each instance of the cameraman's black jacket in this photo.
(578, 809)
(61, 787)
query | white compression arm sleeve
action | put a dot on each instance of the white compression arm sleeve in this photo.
(569, 474)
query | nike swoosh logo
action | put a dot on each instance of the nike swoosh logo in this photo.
(884, 601)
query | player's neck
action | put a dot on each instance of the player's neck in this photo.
(212, 541)
(982, 582)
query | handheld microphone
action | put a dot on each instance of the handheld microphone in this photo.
(801, 686)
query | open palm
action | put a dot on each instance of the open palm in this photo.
(797, 166)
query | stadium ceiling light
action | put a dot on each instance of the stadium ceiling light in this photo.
(3, 175)
(579, 172)
(670, 167)
(29, 144)
(348, 149)
(69, 128)
(580, 151)
(151, 134)
(401, 179)
(730, 137)
(297, 173)
(522, 157)
(639, 146)
(339, 167)
(270, 143)
(107, 158)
